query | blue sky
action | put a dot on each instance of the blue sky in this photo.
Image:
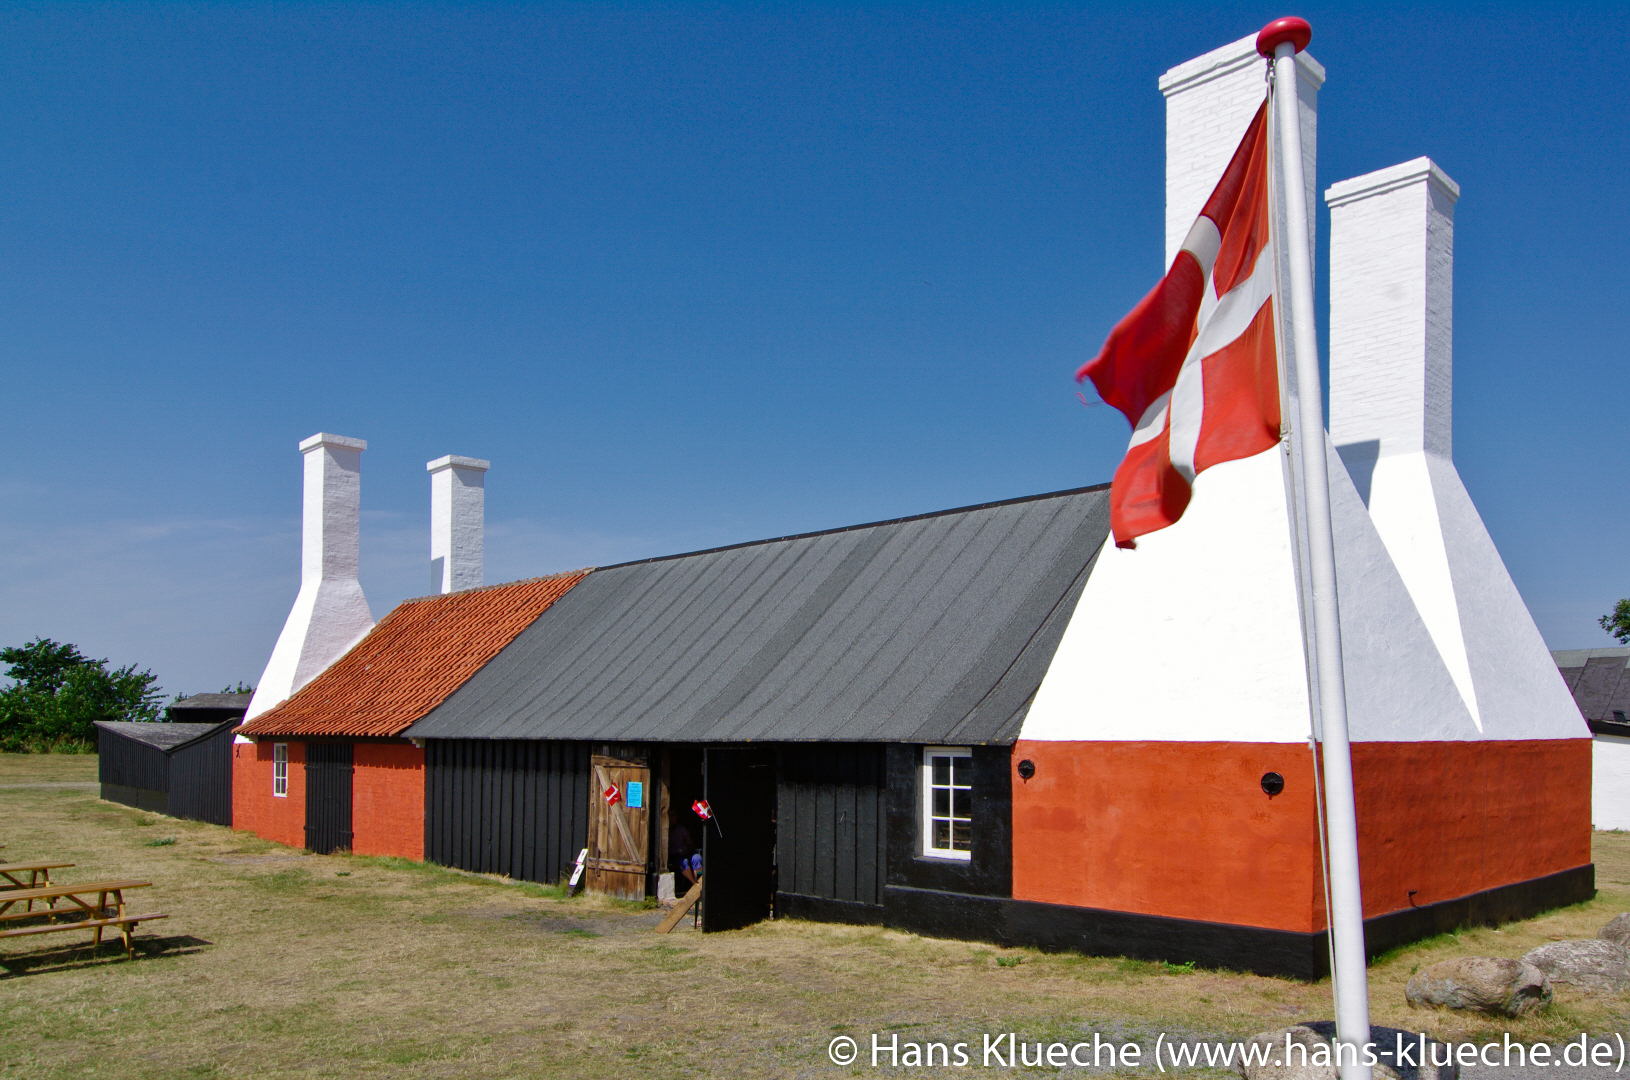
(695, 275)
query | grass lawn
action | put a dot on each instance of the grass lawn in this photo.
(274, 963)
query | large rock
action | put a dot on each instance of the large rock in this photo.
(1313, 1034)
(1592, 963)
(1493, 985)
(1278, 1068)
(1617, 931)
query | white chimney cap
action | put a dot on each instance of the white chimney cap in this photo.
(1384, 180)
(322, 438)
(453, 461)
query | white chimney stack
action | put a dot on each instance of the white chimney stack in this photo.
(330, 613)
(1209, 102)
(457, 522)
(1391, 355)
(1392, 254)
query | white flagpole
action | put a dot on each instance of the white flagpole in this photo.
(1282, 40)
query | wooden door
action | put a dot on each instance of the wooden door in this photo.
(619, 827)
(328, 797)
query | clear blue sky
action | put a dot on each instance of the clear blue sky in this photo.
(690, 276)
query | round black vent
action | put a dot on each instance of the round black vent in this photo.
(1272, 783)
(1027, 769)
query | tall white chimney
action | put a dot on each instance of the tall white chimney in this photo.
(1392, 261)
(1391, 380)
(330, 613)
(1209, 102)
(457, 522)
(1391, 356)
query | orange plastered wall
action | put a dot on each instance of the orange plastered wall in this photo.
(387, 800)
(1447, 819)
(254, 808)
(1183, 829)
(1177, 829)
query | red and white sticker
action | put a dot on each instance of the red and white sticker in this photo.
(612, 795)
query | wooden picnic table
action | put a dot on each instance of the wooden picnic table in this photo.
(39, 874)
(86, 915)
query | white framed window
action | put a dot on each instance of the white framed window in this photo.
(280, 770)
(947, 818)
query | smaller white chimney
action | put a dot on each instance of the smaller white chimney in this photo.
(457, 522)
(330, 614)
(1392, 253)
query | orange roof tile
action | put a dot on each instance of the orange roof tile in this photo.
(408, 664)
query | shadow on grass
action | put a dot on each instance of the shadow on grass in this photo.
(88, 954)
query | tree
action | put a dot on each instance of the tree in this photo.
(58, 694)
(1617, 621)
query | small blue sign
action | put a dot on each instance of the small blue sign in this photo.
(636, 794)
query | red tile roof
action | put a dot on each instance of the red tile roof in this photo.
(408, 664)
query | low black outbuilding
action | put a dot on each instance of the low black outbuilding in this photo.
(180, 769)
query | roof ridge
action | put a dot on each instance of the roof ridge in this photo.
(557, 575)
(852, 528)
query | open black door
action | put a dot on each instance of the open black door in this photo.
(328, 797)
(738, 846)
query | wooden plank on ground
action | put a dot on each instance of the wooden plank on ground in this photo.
(680, 909)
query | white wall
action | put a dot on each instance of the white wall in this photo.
(1610, 789)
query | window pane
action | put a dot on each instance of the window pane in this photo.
(963, 771)
(942, 770)
(963, 804)
(942, 834)
(942, 802)
(961, 836)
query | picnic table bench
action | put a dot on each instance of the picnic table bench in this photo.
(86, 915)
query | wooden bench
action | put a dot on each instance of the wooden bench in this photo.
(79, 913)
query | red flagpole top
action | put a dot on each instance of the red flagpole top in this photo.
(1291, 29)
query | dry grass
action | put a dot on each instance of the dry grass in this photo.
(279, 964)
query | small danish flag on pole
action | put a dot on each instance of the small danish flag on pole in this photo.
(1194, 366)
(702, 809)
(612, 795)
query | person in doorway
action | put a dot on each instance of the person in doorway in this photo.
(684, 858)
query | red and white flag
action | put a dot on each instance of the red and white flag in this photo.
(1193, 366)
(612, 795)
(703, 810)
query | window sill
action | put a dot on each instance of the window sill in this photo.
(956, 858)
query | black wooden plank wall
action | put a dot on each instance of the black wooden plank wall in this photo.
(989, 872)
(201, 779)
(501, 806)
(831, 838)
(131, 764)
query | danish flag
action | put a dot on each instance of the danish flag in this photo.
(611, 795)
(1194, 366)
(703, 810)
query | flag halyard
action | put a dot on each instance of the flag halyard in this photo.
(1194, 365)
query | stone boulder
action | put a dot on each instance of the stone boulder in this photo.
(1495, 986)
(1593, 963)
(1316, 1033)
(1617, 931)
(1279, 1069)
